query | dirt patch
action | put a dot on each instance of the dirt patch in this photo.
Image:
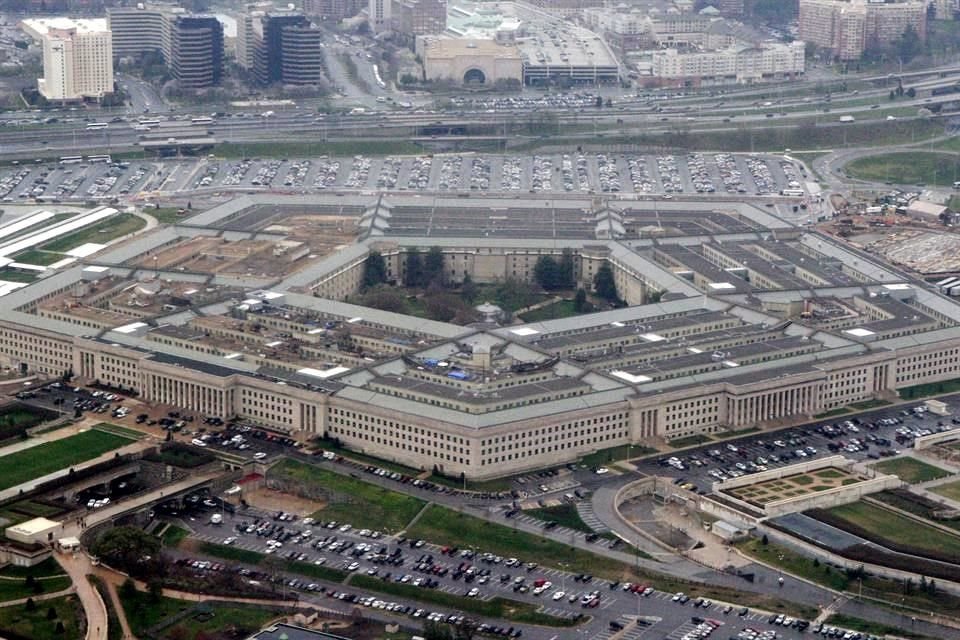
(271, 500)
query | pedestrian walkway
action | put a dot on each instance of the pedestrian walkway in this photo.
(585, 511)
(78, 566)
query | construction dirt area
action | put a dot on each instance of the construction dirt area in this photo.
(271, 500)
(304, 238)
(924, 252)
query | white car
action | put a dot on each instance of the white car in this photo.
(602, 470)
(197, 442)
(473, 593)
(230, 540)
(353, 566)
(260, 455)
(559, 595)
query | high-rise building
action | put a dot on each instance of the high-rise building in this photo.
(77, 57)
(287, 50)
(331, 10)
(191, 45)
(196, 51)
(847, 28)
(419, 17)
(380, 14)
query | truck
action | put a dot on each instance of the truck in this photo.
(847, 119)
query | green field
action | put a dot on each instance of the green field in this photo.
(15, 419)
(912, 167)
(613, 454)
(444, 526)
(498, 607)
(887, 525)
(36, 625)
(910, 469)
(100, 233)
(173, 535)
(143, 612)
(9, 274)
(48, 577)
(222, 621)
(929, 389)
(950, 490)
(119, 430)
(351, 500)
(25, 465)
(564, 515)
(689, 441)
(235, 554)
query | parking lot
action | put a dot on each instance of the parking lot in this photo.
(473, 573)
(869, 436)
(664, 175)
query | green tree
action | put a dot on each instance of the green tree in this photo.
(469, 290)
(30, 605)
(51, 613)
(128, 589)
(435, 631)
(909, 45)
(580, 302)
(374, 270)
(413, 273)
(130, 549)
(911, 93)
(433, 267)
(155, 589)
(605, 285)
(546, 272)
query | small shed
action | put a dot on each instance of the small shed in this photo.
(727, 531)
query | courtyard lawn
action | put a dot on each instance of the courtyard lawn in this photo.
(351, 500)
(559, 309)
(950, 490)
(910, 469)
(613, 454)
(23, 466)
(564, 515)
(899, 529)
(223, 621)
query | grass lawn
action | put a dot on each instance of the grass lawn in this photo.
(116, 429)
(613, 454)
(351, 500)
(47, 568)
(794, 563)
(561, 309)
(445, 526)
(168, 215)
(362, 457)
(565, 515)
(839, 411)
(907, 168)
(100, 233)
(15, 419)
(910, 469)
(869, 404)
(950, 490)
(498, 607)
(931, 389)
(689, 441)
(235, 622)
(866, 626)
(37, 257)
(887, 525)
(173, 535)
(35, 625)
(25, 465)
(144, 612)
(49, 578)
(497, 484)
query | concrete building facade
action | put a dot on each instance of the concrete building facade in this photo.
(287, 50)
(740, 65)
(848, 28)
(77, 58)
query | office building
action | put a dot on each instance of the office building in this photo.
(332, 11)
(287, 50)
(743, 64)
(848, 28)
(380, 15)
(77, 57)
(419, 17)
(191, 45)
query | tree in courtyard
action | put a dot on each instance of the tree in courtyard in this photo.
(433, 267)
(374, 270)
(605, 285)
(51, 613)
(30, 605)
(469, 290)
(413, 272)
(580, 302)
(131, 550)
(546, 272)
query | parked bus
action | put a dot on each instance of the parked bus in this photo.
(143, 122)
(202, 120)
(96, 159)
(71, 159)
(93, 126)
(796, 193)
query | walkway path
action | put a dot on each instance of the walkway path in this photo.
(38, 598)
(77, 566)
